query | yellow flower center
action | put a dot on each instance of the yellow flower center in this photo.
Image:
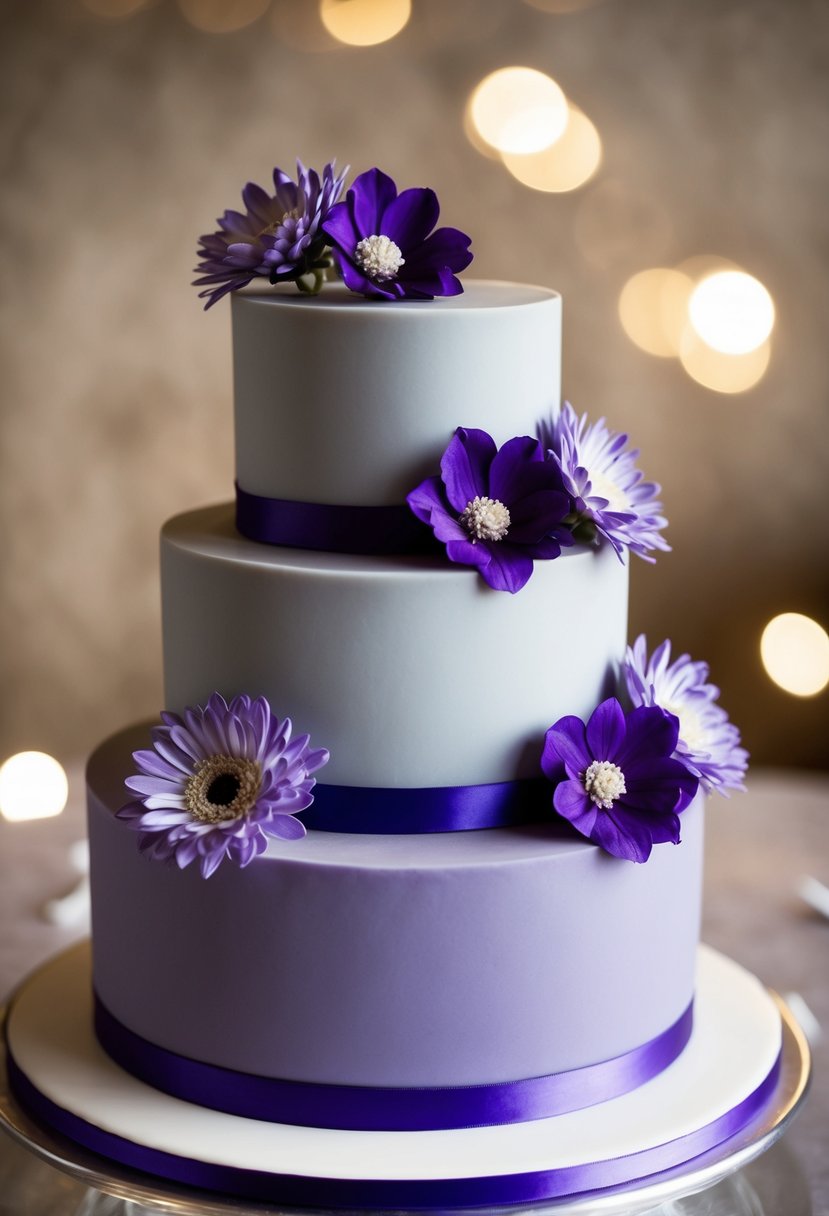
(222, 788)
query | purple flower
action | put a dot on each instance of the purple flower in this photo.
(279, 237)
(495, 509)
(218, 781)
(609, 494)
(708, 744)
(616, 780)
(382, 242)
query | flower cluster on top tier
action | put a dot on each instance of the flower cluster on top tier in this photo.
(218, 781)
(499, 510)
(709, 744)
(382, 242)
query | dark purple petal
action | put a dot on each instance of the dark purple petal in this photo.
(410, 218)
(606, 730)
(566, 741)
(369, 196)
(447, 249)
(536, 516)
(465, 553)
(339, 226)
(507, 477)
(650, 732)
(571, 801)
(465, 466)
(623, 836)
(427, 498)
(507, 569)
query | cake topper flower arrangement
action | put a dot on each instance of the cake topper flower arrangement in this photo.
(381, 242)
(218, 781)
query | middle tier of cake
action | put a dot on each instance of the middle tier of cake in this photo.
(410, 671)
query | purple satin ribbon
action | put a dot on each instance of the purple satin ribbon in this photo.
(445, 808)
(377, 531)
(409, 1194)
(368, 1108)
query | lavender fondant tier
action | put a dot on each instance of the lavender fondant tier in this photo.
(437, 960)
(339, 399)
(411, 672)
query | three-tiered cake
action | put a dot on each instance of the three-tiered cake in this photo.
(445, 992)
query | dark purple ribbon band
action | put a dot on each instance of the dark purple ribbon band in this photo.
(407, 1194)
(365, 1108)
(377, 531)
(445, 808)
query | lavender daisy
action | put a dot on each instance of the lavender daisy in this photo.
(279, 236)
(218, 781)
(610, 496)
(617, 782)
(708, 743)
(495, 509)
(384, 245)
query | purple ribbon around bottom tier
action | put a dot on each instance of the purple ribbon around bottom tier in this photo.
(368, 531)
(373, 1108)
(373, 1193)
(413, 811)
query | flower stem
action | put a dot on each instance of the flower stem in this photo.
(311, 285)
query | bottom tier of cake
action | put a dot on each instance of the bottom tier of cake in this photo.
(723, 1100)
(479, 958)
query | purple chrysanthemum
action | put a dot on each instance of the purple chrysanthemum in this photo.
(384, 245)
(617, 782)
(610, 495)
(708, 744)
(218, 781)
(495, 509)
(279, 237)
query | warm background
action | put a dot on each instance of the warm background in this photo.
(128, 127)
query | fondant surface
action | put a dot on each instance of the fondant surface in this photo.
(443, 959)
(410, 671)
(339, 399)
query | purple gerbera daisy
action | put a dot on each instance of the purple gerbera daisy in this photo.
(708, 744)
(617, 782)
(279, 237)
(382, 242)
(610, 496)
(218, 781)
(495, 509)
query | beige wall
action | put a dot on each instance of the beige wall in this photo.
(121, 142)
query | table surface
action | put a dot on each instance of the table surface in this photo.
(759, 846)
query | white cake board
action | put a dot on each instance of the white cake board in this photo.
(736, 1039)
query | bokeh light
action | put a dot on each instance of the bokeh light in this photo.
(795, 654)
(223, 16)
(364, 22)
(518, 110)
(653, 309)
(565, 165)
(114, 10)
(719, 372)
(731, 311)
(33, 785)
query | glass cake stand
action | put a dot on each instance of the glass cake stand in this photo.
(42, 1174)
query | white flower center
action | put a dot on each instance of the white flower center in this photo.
(222, 788)
(485, 519)
(603, 487)
(692, 731)
(379, 258)
(604, 782)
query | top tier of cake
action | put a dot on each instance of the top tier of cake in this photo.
(344, 400)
